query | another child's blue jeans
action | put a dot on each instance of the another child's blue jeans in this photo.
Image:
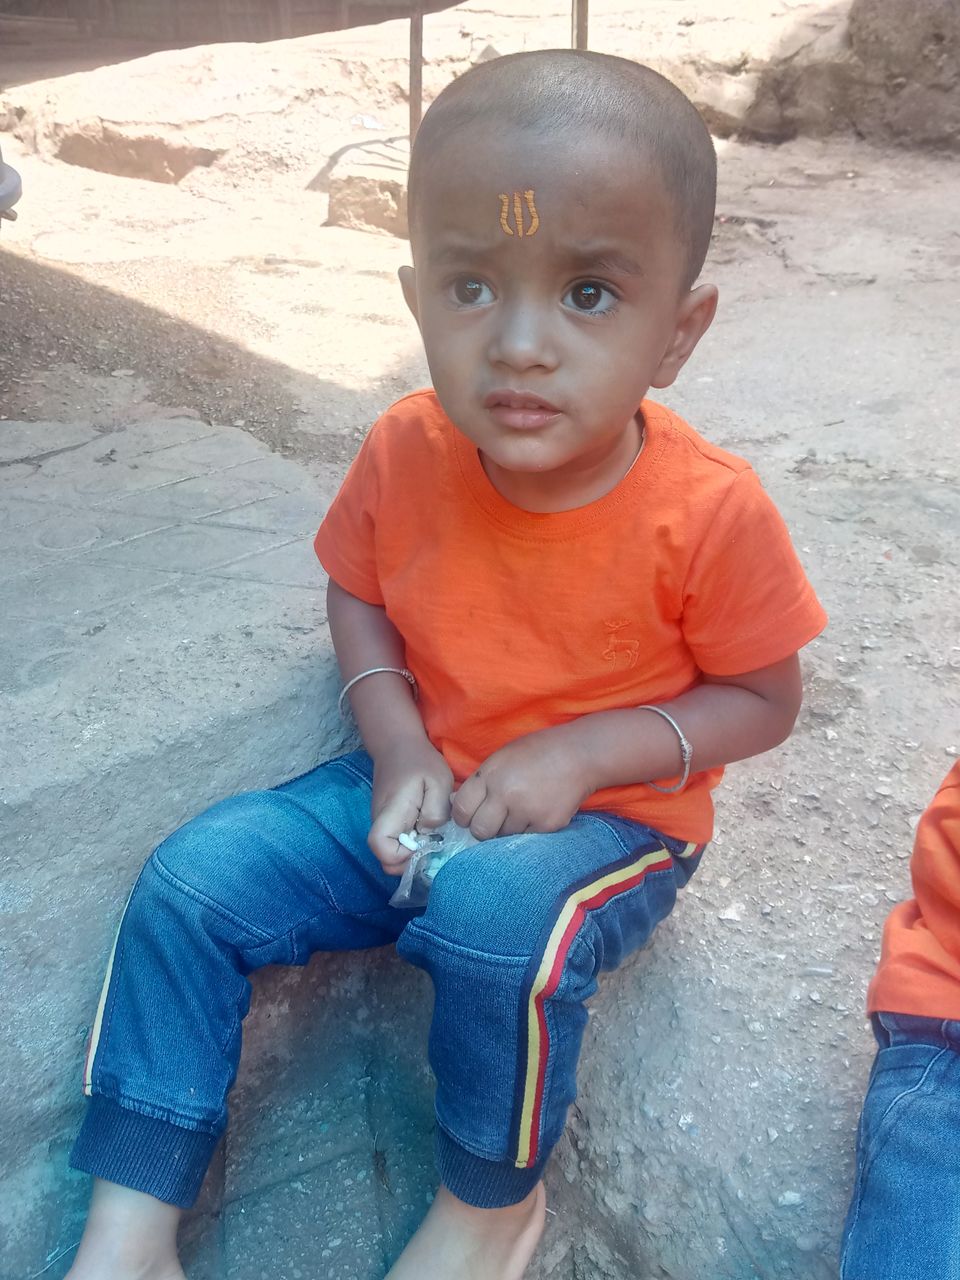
(514, 934)
(904, 1218)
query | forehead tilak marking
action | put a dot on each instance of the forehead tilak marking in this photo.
(517, 200)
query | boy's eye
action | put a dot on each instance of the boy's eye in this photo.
(471, 292)
(590, 296)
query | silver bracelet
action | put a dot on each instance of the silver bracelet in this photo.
(686, 750)
(410, 678)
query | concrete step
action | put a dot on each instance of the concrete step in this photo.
(164, 644)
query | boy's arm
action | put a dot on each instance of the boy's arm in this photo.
(538, 782)
(411, 780)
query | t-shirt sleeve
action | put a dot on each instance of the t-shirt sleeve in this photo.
(747, 602)
(346, 541)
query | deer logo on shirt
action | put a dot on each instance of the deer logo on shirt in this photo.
(621, 652)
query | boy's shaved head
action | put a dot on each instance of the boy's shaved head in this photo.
(557, 91)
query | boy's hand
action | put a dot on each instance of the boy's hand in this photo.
(411, 788)
(536, 783)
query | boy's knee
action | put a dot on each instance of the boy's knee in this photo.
(217, 847)
(489, 898)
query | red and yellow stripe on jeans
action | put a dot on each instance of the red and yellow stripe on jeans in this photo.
(584, 898)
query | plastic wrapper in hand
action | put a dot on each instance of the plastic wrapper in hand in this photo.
(434, 850)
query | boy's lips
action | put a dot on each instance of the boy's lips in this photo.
(520, 410)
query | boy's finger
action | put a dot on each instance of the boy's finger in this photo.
(489, 818)
(382, 843)
(395, 868)
(388, 851)
(399, 809)
(398, 814)
(435, 807)
(468, 799)
(514, 825)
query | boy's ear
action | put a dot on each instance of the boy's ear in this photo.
(693, 320)
(408, 283)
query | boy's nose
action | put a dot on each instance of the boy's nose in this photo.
(523, 340)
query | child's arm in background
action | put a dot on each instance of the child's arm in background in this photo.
(538, 782)
(411, 780)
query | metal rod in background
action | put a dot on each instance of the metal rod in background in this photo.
(416, 68)
(579, 22)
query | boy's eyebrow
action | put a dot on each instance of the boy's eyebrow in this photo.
(456, 252)
(603, 258)
(580, 257)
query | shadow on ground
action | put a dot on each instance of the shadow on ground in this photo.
(51, 319)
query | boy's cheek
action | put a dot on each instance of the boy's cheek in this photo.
(450, 360)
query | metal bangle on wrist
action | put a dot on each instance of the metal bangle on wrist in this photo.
(408, 675)
(686, 750)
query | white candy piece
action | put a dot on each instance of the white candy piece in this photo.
(409, 840)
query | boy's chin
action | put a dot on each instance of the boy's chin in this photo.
(521, 458)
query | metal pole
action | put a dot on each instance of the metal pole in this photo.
(416, 68)
(579, 21)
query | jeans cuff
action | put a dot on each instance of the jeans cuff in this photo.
(486, 1184)
(123, 1146)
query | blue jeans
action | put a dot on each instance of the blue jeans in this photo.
(514, 934)
(904, 1218)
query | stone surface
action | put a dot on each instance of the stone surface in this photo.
(910, 88)
(890, 73)
(162, 612)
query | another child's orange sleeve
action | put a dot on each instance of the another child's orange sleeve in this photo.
(919, 970)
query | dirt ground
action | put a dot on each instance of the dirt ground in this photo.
(833, 366)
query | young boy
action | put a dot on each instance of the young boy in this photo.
(904, 1218)
(558, 613)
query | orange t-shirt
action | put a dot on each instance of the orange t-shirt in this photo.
(919, 970)
(515, 621)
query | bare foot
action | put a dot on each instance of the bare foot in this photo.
(128, 1236)
(459, 1242)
